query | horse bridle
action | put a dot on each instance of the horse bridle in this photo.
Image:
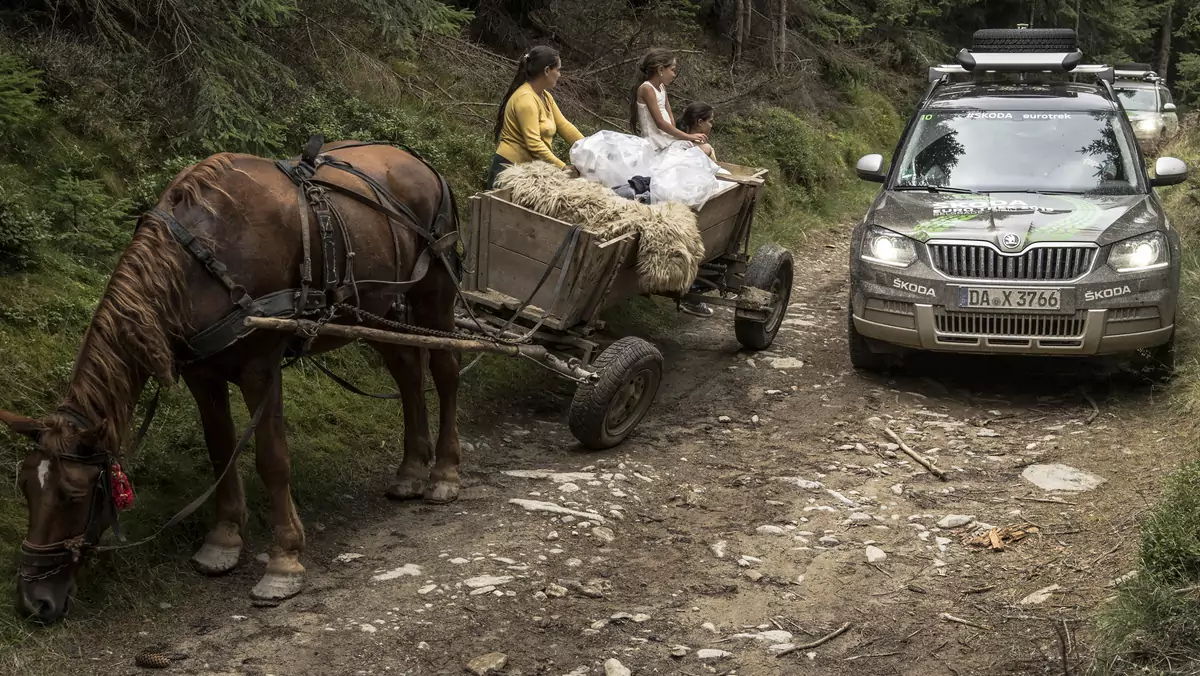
(56, 556)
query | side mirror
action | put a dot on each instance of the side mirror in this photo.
(870, 168)
(1169, 171)
(1168, 107)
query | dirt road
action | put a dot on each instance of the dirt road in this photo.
(758, 506)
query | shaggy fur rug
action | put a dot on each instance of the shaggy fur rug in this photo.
(669, 250)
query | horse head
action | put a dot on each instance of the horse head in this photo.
(67, 483)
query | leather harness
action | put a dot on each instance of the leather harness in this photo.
(322, 297)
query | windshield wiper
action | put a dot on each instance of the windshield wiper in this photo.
(1047, 192)
(934, 188)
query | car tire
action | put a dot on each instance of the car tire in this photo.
(1158, 363)
(862, 357)
(1014, 40)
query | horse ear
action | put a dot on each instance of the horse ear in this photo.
(22, 425)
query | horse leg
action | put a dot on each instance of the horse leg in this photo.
(285, 575)
(223, 545)
(436, 311)
(404, 363)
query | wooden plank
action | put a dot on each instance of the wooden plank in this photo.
(516, 275)
(527, 232)
(482, 280)
(720, 208)
(471, 237)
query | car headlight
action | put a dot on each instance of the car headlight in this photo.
(888, 248)
(1146, 124)
(1141, 253)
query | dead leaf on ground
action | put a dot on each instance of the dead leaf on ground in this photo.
(996, 538)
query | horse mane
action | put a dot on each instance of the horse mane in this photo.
(140, 319)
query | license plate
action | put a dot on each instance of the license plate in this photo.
(1001, 298)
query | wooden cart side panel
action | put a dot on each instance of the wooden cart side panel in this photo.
(718, 221)
(527, 232)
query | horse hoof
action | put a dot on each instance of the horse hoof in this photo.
(406, 489)
(214, 560)
(442, 492)
(274, 587)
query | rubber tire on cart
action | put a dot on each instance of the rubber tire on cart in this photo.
(861, 355)
(605, 412)
(1015, 40)
(771, 269)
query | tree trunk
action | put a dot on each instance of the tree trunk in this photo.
(746, 22)
(1164, 46)
(739, 9)
(778, 34)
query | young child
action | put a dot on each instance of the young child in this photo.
(649, 111)
(697, 118)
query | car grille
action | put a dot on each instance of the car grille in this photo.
(1015, 325)
(974, 261)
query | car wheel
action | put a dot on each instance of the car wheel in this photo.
(862, 357)
(1157, 364)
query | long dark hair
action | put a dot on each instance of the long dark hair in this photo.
(696, 112)
(532, 64)
(653, 60)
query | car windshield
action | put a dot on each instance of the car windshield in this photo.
(1020, 151)
(1139, 100)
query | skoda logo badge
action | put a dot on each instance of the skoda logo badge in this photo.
(1011, 241)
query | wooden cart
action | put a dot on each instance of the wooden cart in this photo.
(512, 267)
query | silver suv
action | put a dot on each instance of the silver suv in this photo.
(1148, 103)
(1017, 218)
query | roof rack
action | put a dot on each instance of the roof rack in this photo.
(1144, 75)
(976, 63)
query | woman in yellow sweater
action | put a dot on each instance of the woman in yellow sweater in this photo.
(529, 118)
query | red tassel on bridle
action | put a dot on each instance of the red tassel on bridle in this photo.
(122, 489)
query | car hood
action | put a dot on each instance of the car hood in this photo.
(1102, 219)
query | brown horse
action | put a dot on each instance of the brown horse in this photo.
(248, 213)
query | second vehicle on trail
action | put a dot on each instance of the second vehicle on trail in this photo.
(1147, 103)
(1017, 218)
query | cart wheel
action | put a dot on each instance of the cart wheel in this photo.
(770, 270)
(604, 413)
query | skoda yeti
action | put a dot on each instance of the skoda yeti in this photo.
(1016, 218)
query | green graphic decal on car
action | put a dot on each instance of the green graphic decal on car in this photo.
(924, 230)
(1084, 215)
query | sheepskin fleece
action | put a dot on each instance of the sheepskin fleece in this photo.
(670, 249)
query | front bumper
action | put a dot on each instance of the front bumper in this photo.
(1092, 341)
(1104, 313)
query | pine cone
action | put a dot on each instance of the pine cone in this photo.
(152, 659)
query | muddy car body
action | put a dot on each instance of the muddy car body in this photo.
(1017, 218)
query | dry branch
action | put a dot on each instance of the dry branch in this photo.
(819, 642)
(913, 454)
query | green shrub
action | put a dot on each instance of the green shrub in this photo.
(20, 92)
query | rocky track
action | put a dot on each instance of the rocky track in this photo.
(758, 510)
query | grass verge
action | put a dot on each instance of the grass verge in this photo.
(1152, 625)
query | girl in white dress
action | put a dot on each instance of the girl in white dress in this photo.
(649, 110)
(650, 115)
